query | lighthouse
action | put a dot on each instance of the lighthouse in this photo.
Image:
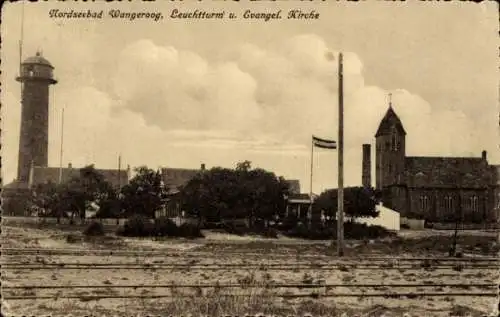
(36, 75)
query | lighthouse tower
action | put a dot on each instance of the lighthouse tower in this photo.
(36, 75)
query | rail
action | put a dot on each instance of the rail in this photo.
(226, 266)
(262, 285)
(170, 253)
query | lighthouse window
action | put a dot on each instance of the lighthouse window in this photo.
(30, 71)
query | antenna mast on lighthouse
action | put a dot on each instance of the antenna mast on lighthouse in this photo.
(21, 41)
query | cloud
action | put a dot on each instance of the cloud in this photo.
(172, 106)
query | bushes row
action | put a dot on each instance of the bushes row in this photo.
(352, 230)
(139, 226)
(259, 229)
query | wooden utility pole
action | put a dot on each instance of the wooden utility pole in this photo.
(340, 202)
(61, 149)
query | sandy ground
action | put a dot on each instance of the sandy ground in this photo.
(49, 239)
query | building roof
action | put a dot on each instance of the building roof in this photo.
(299, 198)
(37, 59)
(468, 172)
(293, 186)
(51, 174)
(173, 178)
(390, 120)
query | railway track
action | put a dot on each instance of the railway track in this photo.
(227, 266)
(170, 253)
(320, 291)
(251, 261)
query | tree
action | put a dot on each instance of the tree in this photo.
(358, 202)
(16, 204)
(212, 195)
(47, 196)
(244, 166)
(223, 194)
(88, 188)
(144, 194)
(75, 196)
(264, 193)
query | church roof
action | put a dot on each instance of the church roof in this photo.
(390, 120)
(37, 59)
(51, 174)
(447, 172)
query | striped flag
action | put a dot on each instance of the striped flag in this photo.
(323, 143)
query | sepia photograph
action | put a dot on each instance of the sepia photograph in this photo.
(250, 158)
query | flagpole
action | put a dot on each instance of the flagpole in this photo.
(21, 39)
(119, 171)
(311, 181)
(340, 201)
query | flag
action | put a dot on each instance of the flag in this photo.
(323, 143)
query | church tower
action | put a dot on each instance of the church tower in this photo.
(36, 76)
(390, 150)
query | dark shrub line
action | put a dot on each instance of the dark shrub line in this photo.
(140, 226)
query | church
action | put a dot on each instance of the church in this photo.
(437, 189)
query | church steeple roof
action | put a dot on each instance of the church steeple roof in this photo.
(390, 120)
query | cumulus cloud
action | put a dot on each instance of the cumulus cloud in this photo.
(172, 106)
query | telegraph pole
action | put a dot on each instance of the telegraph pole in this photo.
(340, 202)
(61, 150)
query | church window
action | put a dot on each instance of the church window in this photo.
(424, 202)
(448, 203)
(474, 203)
(394, 142)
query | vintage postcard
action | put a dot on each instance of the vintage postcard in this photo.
(250, 158)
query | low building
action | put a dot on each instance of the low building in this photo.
(297, 205)
(19, 191)
(39, 175)
(173, 180)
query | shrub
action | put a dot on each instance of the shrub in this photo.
(165, 227)
(137, 226)
(313, 233)
(287, 224)
(191, 231)
(270, 233)
(234, 228)
(352, 230)
(95, 228)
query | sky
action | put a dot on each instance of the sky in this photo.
(179, 93)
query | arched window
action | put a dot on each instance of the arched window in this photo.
(394, 141)
(448, 203)
(474, 203)
(424, 202)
